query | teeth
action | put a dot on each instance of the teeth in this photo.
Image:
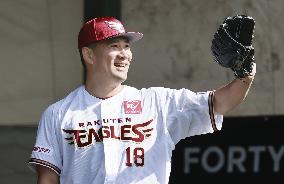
(119, 64)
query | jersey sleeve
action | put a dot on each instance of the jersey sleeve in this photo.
(188, 113)
(46, 151)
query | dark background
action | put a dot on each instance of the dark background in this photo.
(243, 132)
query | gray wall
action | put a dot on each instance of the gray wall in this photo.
(175, 50)
(40, 63)
(39, 60)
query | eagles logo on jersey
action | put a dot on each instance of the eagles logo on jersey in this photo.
(128, 132)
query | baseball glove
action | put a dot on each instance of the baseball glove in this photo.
(232, 45)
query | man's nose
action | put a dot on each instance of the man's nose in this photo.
(122, 54)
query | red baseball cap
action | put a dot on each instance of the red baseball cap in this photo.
(104, 28)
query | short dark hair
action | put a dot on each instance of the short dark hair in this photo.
(91, 46)
(84, 68)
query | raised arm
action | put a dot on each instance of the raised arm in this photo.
(228, 97)
(232, 48)
(46, 175)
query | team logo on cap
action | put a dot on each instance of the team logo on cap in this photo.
(116, 26)
(132, 107)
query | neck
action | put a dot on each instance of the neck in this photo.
(103, 90)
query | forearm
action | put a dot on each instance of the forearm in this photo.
(46, 176)
(228, 97)
(43, 180)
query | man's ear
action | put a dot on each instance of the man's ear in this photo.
(88, 55)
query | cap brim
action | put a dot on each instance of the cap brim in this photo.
(132, 36)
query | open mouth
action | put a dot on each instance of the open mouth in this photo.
(120, 65)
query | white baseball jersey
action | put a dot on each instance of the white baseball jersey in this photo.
(124, 139)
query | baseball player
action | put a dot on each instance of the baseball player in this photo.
(105, 132)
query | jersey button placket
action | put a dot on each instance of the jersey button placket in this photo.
(108, 143)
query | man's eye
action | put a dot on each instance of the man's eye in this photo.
(114, 45)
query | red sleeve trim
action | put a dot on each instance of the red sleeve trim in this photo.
(211, 110)
(46, 164)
